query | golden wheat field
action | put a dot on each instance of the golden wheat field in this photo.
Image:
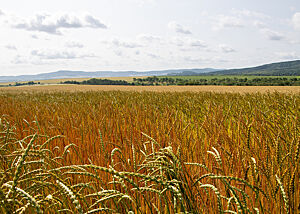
(218, 89)
(88, 150)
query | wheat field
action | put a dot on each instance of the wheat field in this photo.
(85, 151)
(208, 88)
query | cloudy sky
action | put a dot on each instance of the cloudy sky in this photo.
(93, 35)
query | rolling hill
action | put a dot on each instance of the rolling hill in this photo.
(290, 68)
(65, 74)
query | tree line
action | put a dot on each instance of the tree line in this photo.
(152, 81)
(95, 81)
(259, 81)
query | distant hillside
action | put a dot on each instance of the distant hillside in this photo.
(191, 72)
(291, 68)
(64, 74)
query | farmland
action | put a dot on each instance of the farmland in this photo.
(252, 80)
(142, 151)
(58, 81)
(206, 88)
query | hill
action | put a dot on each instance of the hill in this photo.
(191, 72)
(65, 74)
(290, 68)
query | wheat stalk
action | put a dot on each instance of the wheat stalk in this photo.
(285, 198)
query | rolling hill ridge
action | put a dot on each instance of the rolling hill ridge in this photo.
(290, 68)
(65, 74)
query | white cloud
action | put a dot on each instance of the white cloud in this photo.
(123, 44)
(178, 28)
(52, 24)
(203, 60)
(296, 21)
(93, 22)
(288, 55)
(153, 56)
(34, 36)
(11, 47)
(144, 2)
(19, 60)
(177, 41)
(188, 42)
(272, 35)
(223, 21)
(196, 43)
(118, 52)
(226, 49)
(294, 42)
(251, 14)
(195, 60)
(74, 44)
(148, 38)
(1, 13)
(259, 24)
(53, 54)
(292, 8)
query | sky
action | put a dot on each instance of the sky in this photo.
(119, 35)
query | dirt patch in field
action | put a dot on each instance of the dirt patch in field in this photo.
(218, 89)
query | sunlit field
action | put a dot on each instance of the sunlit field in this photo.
(58, 81)
(81, 150)
(218, 89)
